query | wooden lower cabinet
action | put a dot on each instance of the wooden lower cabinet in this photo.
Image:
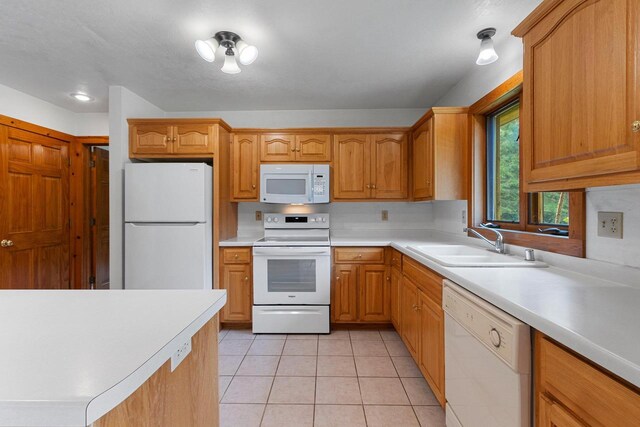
(431, 345)
(374, 283)
(396, 306)
(344, 304)
(410, 330)
(573, 392)
(236, 278)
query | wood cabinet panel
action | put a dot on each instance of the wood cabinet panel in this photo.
(423, 161)
(591, 394)
(359, 255)
(245, 167)
(395, 258)
(236, 279)
(374, 283)
(389, 165)
(192, 139)
(236, 255)
(313, 148)
(431, 351)
(344, 304)
(277, 148)
(151, 138)
(427, 280)
(576, 124)
(410, 317)
(395, 298)
(552, 414)
(352, 167)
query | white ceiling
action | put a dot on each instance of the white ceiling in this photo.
(314, 54)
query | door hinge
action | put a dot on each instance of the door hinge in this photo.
(92, 163)
(92, 222)
(92, 282)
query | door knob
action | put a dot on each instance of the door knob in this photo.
(635, 126)
(6, 243)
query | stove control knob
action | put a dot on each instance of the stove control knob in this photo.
(494, 335)
(269, 219)
(275, 220)
(324, 219)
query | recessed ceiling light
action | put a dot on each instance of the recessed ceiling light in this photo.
(81, 96)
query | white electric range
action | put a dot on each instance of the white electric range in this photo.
(292, 275)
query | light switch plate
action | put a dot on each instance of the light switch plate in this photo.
(610, 224)
(385, 215)
(180, 354)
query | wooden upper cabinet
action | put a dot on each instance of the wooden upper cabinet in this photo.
(277, 148)
(581, 94)
(423, 161)
(389, 166)
(244, 167)
(351, 178)
(313, 148)
(440, 142)
(151, 138)
(192, 138)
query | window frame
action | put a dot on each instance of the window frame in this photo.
(523, 233)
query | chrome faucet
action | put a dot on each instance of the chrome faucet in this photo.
(498, 245)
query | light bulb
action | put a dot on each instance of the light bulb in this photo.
(246, 53)
(207, 49)
(230, 65)
(487, 53)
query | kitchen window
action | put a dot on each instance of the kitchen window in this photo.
(552, 221)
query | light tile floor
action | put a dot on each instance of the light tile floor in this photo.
(346, 378)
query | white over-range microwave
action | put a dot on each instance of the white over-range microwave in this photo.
(294, 183)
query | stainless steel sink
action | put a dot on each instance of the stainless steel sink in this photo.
(469, 256)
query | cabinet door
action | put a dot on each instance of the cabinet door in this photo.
(151, 139)
(345, 293)
(552, 414)
(396, 283)
(236, 279)
(352, 167)
(374, 302)
(277, 148)
(193, 139)
(389, 164)
(576, 123)
(410, 316)
(313, 148)
(423, 161)
(431, 351)
(244, 167)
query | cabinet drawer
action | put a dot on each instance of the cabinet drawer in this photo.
(588, 392)
(395, 259)
(237, 255)
(428, 281)
(359, 255)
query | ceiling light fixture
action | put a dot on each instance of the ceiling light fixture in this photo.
(81, 96)
(487, 53)
(233, 45)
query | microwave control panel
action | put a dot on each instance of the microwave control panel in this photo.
(321, 183)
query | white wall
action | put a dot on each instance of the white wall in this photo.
(123, 104)
(19, 105)
(311, 118)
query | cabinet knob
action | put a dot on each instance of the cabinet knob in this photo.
(6, 243)
(246, 278)
(368, 185)
(253, 186)
(293, 149)
(337, 277)
(635, 126)
(373, 186)
(388, 278)
(236, 256)
(359, 256)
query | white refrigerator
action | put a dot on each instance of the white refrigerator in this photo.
(168, 230)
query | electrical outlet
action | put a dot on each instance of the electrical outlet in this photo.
(180, 354)
(610, 224)
(385, 215)
(464, 217)
(258, 215)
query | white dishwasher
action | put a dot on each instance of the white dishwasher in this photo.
(487, 363)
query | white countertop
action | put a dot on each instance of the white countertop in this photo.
(69, 357)
(595, 317)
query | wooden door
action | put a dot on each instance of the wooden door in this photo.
(410, 316)
(552, 414)
(374, 301)
(389, 160)
(431, 342)
(151, 139)
(581, 93)
(236, 279)
(193, 139)
(100, 219)
(244, 167)
(277, 148)
(344, 304)
(313, 148)
(396, 283)
(34, 211)
(423, 161)
(352, 167)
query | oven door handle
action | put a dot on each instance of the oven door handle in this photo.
(291, 251)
